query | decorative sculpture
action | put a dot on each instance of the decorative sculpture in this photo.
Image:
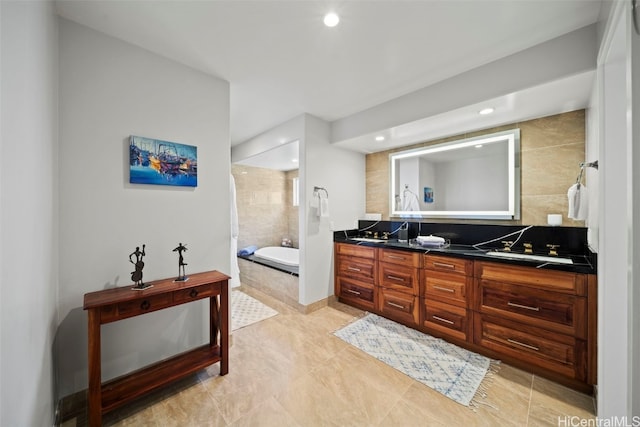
(182, 277)
(136, 275)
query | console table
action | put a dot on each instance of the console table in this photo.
(111, 305)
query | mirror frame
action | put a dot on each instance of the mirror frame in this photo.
(510, 137)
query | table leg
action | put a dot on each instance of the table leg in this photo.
(95, 379)
(224, 328)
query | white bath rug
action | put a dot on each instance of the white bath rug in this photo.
(450, 370)
(246, 310)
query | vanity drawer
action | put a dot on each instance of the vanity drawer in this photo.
(194, 293)
(448, 264)
(447, 319)
(399, 306)
(135, 307)
(447, 287)
(530, 345)
(552, 310)
(556, 281)
(399, 278)
(359, 294)
(355, 250)
(409, 259)
(357, 268)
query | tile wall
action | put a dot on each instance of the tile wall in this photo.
(551, 150)
(265, 209)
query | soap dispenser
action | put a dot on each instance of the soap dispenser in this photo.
(403, 233)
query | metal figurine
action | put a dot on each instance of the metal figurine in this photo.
(181, 248)
(136, 275)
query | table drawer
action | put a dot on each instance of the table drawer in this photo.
(355, 250)
(192, 294)
(445, 318)
(447, 287)
(556, 311)
(399, 277)
(357, 268)
(399, 306)
(556, 352)
(448, 264)
(139, 306)
(406, 258)
(357, 293)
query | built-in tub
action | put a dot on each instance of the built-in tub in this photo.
(274, 271)
(282, 255)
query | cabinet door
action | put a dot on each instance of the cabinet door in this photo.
(358, 294)
(551, 310)
(361, 269)
(409, 259)
(555, 352)
(399, 306)
(399, 277)
(446, 319)
(447, 287)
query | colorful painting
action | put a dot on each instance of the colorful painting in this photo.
(152, 161)
(428, 195)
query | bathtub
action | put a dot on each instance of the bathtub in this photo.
(281, 255)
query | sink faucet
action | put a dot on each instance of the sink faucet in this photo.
(528, 248)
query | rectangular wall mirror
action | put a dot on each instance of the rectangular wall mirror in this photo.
(474, 178)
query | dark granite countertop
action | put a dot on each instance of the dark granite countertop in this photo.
(581, 263)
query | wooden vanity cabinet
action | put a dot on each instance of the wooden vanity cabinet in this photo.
(446, 285)
(398, 285)
(537, 316)
(355, 275)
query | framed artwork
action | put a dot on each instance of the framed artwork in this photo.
(428, 195)
(153, 161)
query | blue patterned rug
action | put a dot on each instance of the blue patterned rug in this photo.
(450, 370)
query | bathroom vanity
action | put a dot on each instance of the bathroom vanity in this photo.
(535, 315)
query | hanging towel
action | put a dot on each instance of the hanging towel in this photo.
(249, 250)
(578, 202)
(324, 208)
(410, 202)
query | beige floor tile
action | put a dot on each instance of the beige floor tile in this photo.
(290, 370)
(551, 402)
(268, 414)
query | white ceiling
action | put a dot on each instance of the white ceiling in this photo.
(281, 61)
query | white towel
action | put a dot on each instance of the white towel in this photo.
(324, 208)
(410, 202)
(578, 202)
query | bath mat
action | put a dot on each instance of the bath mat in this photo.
(246, 310)
(450, 370)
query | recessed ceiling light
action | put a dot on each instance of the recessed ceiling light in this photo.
(478, 146)
(379, 138)
(294, 160)
(486, 111)
(331, 19)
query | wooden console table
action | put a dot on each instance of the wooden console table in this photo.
(115, 304)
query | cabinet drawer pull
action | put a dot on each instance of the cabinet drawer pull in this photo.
(395, 257)
(145, 305)
(351, 291)
(193, 293)
(449, 322)
(395, 278)
(353, 269)
(443, 265)
(526, 307)
(440, 288)
(393, 304)
(531, 347)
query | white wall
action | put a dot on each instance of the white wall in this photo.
(28, 217)
(109, 90)
(342, 173)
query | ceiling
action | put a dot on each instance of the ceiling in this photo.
(281, 61)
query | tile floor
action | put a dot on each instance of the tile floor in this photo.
(290, 370)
